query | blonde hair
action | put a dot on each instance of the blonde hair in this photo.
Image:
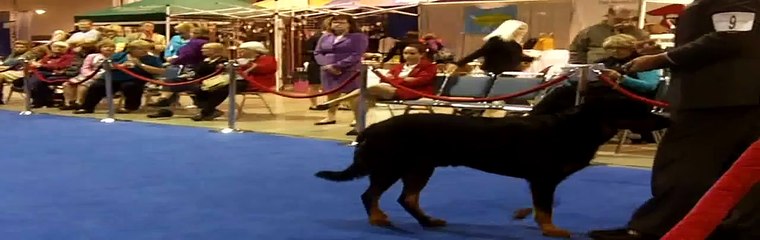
(139, 44)
(506, 31)
(106, 43)
(201, 31)
(218, 47)
(185, 27)
(619, 41)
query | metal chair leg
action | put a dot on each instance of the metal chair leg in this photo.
(266, 104)
(621, 140)
(390, 109)
(240, 106)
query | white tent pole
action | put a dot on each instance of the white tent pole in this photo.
(642, 14)
(278, 45)
(168, 22)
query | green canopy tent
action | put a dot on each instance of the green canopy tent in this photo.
(162, 10)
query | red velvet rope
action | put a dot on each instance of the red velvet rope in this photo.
(715, 205)
(633, 95)
(162, 83)
(266, 89)
(539, 87)
(42, 77)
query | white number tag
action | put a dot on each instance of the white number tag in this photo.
(733, 21)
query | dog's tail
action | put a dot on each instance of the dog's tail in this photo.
(351, 173)
(358, 168)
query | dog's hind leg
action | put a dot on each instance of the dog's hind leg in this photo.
(378, 184)
(414, 182)
(543, 202)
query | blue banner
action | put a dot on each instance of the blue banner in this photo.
(484, 21)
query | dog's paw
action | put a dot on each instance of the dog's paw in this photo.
(380, 222)
(554, 231)
(433, 223)
(521, 214)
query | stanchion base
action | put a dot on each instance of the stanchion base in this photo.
(227, 130)
(113, 120)
(25, 113)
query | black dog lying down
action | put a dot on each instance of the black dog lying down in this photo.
(542, 149)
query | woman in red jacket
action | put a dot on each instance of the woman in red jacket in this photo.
(259, 66)
(416, 73)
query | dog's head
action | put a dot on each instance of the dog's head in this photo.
(617, 113)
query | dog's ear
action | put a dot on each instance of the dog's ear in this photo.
(646, 122)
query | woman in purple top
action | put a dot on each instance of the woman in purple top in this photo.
(190, 54)
(339, 52)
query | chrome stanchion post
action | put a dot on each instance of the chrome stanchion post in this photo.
(27, 91)
(108, 75)
(361, 119)
(582, 84)
(231, 66)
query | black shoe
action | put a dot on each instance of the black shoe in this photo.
(163, 102)
(209, 117)
(71, 106)
(320, 123)
(619, 234)
(353, 132)
(320, 107)
(162, 113)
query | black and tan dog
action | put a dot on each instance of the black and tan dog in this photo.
(542, 149)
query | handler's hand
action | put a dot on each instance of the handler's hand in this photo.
(612, 74)
(646, 63)
(648, 47)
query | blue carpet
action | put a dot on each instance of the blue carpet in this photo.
(71, 178)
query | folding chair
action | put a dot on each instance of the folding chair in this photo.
(441, 81)
(662, 90)
(252, 95)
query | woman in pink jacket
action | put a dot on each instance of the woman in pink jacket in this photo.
(75, 89)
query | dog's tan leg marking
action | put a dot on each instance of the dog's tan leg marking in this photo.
(543, 202)
(522, 213)
(414, 182)
(544, 220)
(371, 198)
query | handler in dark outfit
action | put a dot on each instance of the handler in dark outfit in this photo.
(715, 107)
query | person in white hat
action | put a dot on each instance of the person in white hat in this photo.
(257, 64)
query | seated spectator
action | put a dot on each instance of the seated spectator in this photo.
(188, 56)
(112, 32)
(259, 66)
(138, 60)
(75, 89)
(147, 33)
(10, 69)
(622, 50)
(85, 33)
(51, 67)
(184, 33)
(208, 100)
(416, 73)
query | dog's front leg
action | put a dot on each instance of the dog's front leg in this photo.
(543, 201)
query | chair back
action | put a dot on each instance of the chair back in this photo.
(468, 86)
(662, 90)
(172, 72)
(505, 86)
